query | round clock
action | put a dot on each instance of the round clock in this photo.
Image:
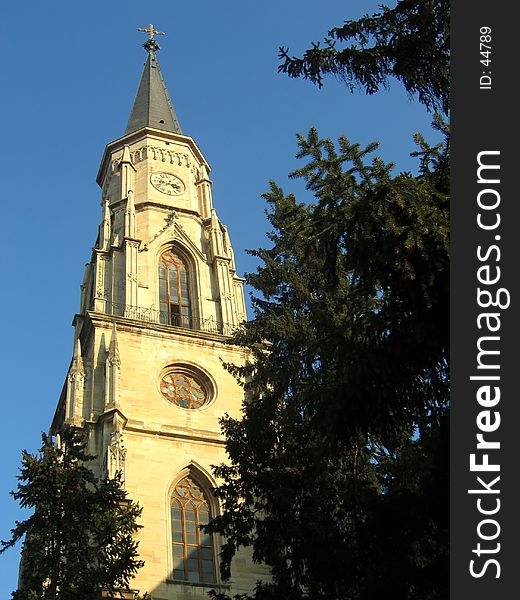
(167, 183)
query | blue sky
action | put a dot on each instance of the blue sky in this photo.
(70, 74)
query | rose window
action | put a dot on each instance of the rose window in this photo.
(183, 390)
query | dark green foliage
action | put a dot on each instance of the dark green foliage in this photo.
(338, 469)
(79, 538)
(410, 42)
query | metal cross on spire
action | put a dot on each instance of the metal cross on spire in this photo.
(151, 31)
(151, 43)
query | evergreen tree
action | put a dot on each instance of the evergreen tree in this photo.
(410, 42)
(338, 468)
(79, 538)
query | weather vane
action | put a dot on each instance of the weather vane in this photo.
(151, 43)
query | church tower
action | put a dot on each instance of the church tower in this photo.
(159, 298)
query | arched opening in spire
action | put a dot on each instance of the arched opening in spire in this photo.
(174, 290)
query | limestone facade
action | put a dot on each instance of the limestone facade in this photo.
(157, 198)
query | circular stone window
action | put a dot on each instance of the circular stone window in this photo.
(184, 388)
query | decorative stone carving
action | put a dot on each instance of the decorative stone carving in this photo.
(156, 153)
(202, 173)
(116, 456)
(114, 360)
(170, 220)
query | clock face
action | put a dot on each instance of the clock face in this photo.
(167, 184)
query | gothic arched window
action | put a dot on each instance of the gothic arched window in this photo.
(174, 295)
(193, 551)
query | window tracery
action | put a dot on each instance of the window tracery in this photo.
(193, 550)
(183, 390)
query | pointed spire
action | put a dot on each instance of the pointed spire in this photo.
(77, 360)
(112, 372)
(105, 228)
(152, 106)
(216, 235)
(130, 216)
(113, 358)
(75, 380)
(128, 171)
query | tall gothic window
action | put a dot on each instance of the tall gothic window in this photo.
(193, 552)
(174, 296)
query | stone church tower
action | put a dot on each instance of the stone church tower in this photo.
(159, 298)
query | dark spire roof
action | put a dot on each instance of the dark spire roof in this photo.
(152, 106)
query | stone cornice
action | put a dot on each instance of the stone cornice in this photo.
(110, 411)
(144, 133)
(194, 435)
